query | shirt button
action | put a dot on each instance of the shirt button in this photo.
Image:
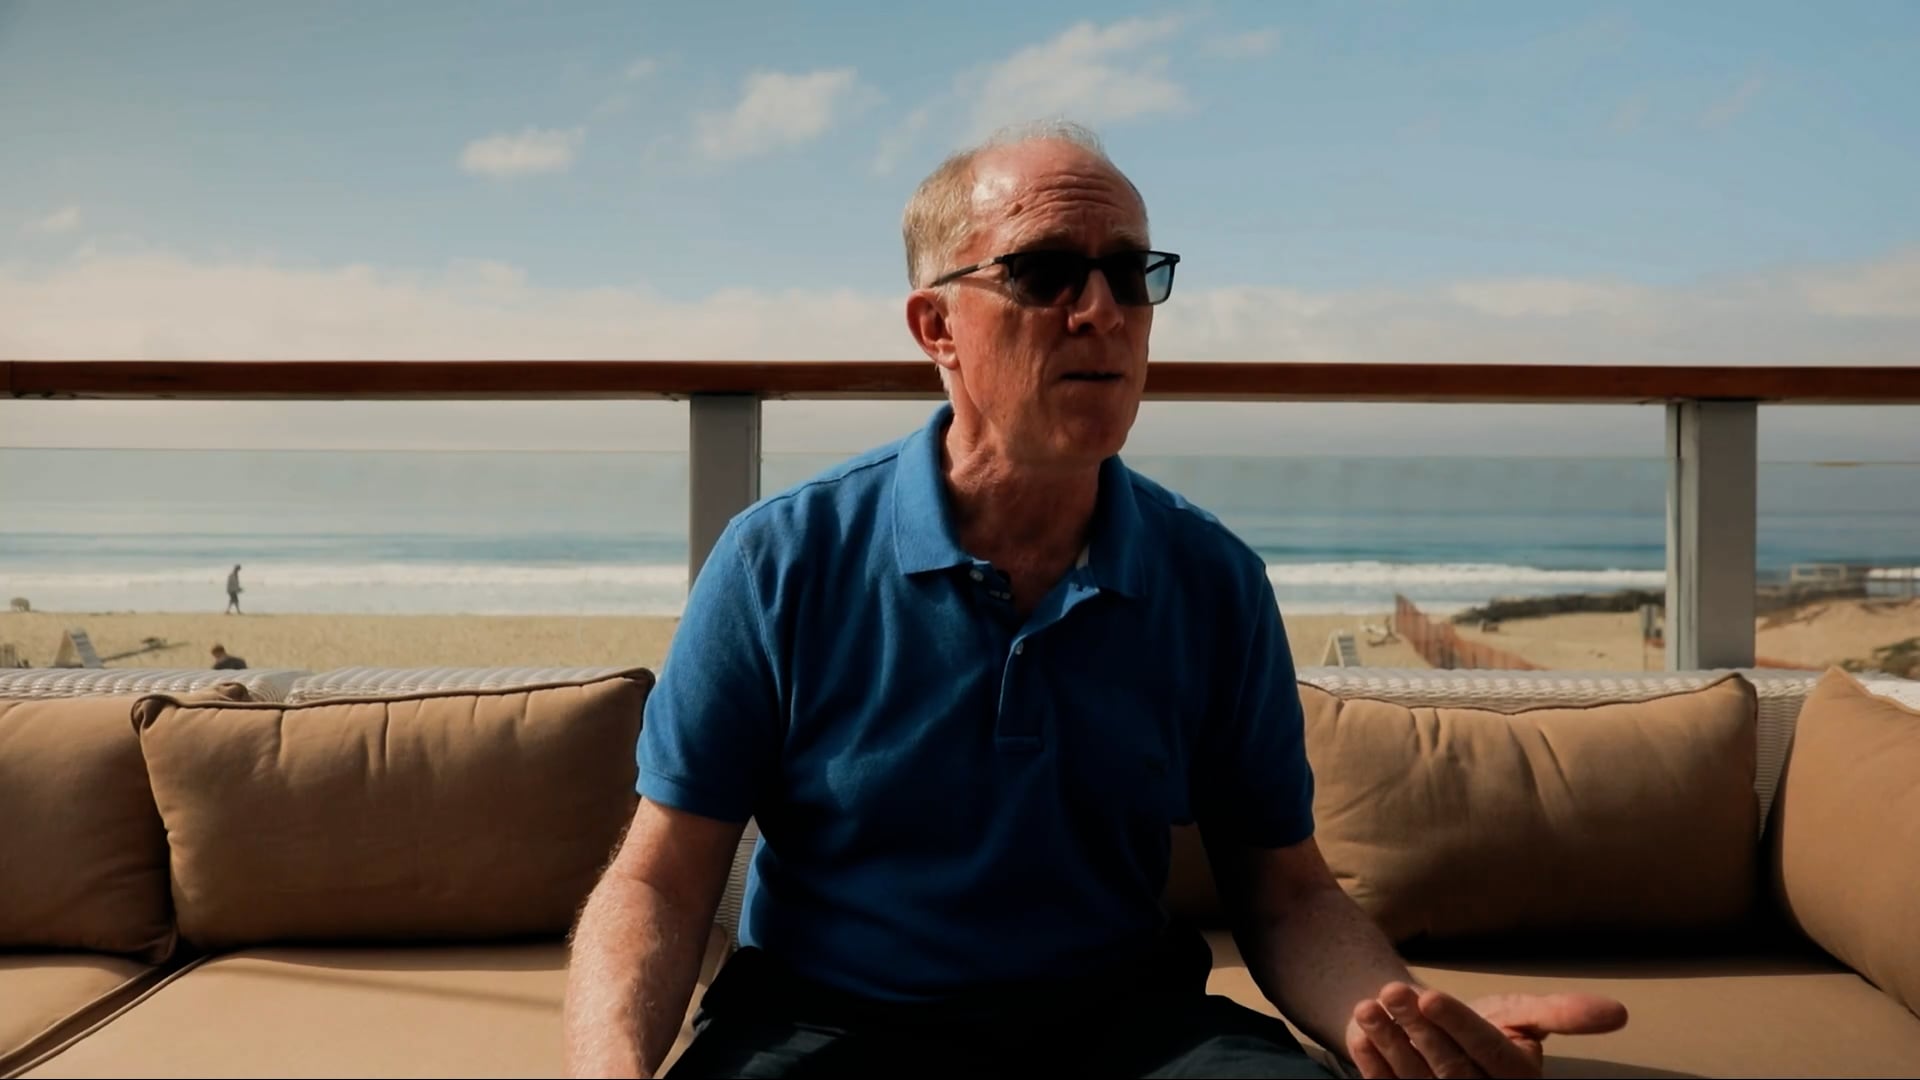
(1019, 647)
(977, 576)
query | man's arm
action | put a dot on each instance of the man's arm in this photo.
(708, 750)
(637, 947)
(1327, 967)
(1312, 951)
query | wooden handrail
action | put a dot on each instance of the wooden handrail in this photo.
(1168, 380)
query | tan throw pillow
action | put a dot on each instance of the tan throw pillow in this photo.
(442, 815)
(1455, 823)
(1845, 833)
(83, 857)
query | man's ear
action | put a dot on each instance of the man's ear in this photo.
(927, 321)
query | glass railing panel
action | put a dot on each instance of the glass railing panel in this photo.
(426, 547)
(1838, 543)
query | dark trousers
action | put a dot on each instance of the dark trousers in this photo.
(760, 1020)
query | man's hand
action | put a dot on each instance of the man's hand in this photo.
(1408, 1033)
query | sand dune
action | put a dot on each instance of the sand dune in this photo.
(1833, 632)
(1813, 636)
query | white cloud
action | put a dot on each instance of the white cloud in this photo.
(1851, 315)
(65, 219)
(533, 150)
(895, 144)
(155, 306)
(1629, 116)
(1089, 73)
(619, 101)
(1244, 45)
(1518, 298)
(162, 306)
(1887, 288)
(776, 110)
(158, 306)
(1728, 109)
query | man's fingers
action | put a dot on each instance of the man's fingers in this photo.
(1360, 1048)
(1554, 1014)
(1389, 1042)
(1579, 1014)
(1489, 1047)
(1442, 1052)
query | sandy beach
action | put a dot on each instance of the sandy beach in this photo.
(318, 642)
(1815, 636)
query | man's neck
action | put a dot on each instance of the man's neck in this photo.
(1022, 519)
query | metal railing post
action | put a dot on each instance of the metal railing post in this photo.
(1712, 522)
(723, 468)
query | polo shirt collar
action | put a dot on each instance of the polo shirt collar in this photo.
(924, 537)
(1115, 554)
(923, 534)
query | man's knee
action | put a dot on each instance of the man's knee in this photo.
(1229, 1039)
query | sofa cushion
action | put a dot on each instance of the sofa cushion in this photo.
(1846, 833)
(463, 1010)
(46, 997)
(1780, 691)
(83, 857)
(1775, 1010)
(1455, 822)
(444, 816)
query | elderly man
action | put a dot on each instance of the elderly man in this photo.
(965, 683)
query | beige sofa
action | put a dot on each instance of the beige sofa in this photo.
(371, 872)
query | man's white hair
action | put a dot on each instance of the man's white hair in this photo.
(937, 221)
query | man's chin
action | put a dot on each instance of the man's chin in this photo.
(1094, 442)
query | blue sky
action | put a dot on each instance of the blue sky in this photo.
(1712, 183)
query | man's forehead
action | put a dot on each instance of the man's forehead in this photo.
(1026, 181)
(1035, 168)
(992, 188)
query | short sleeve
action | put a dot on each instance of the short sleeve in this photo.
(1258, 785)
(712, 726)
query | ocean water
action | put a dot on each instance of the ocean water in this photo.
(605, 533)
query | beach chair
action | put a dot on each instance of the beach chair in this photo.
(1342, 650)
(76, 650)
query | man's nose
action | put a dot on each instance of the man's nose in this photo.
(1096, 311)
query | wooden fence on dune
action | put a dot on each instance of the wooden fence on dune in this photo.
(1440, 645)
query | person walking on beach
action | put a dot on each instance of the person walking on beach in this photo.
(233, 592)
(223, 661)
(966, 683)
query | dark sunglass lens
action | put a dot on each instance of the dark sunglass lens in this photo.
(1044, 278)
(1127, 277)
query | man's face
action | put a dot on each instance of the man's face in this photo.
(1049, 386)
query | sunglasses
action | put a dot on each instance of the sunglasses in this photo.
(1056, 278)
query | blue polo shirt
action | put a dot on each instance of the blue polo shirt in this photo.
(951, 797)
